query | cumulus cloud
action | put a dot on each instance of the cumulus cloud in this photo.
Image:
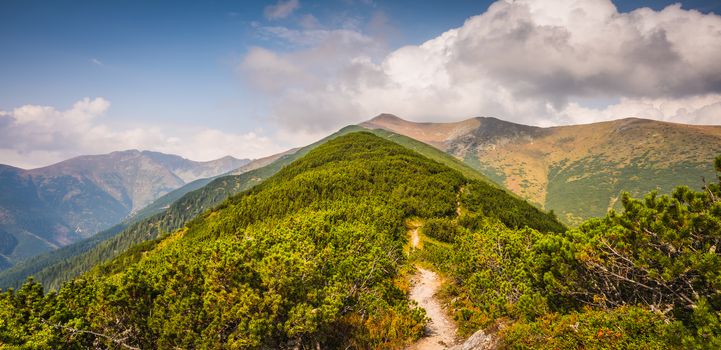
(704, 110)
(528, 61)
(281, 9)
(32, 136)
(309, 84)
(563, 48)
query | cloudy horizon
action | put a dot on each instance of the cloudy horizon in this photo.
(281, 74)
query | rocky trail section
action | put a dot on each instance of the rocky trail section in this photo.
(440, 331)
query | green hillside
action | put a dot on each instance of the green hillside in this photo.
(318, 256)
(646, 277)
(171, 213)
(310, 257)
(58, 266)
(428, 151)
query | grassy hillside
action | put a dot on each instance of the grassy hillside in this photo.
(430, 152)
(308, 258)
(559, 168)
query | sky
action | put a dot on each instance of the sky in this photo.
(205, 79)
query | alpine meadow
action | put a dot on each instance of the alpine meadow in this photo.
(347, 174)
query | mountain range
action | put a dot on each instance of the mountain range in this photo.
(578, 171)
(555, 168)
(46, 208)
(326, 246)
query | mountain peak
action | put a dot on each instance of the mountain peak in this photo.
(125, 153)
(497, 120)
(433, 133)
(227, 159)
(386, 118)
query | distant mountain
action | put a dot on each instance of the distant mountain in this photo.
(46, 208)
(164, 201)
(188, 170)
(578, 170)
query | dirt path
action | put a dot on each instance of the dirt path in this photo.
(458, 200)
(415, 238)
(440, 331)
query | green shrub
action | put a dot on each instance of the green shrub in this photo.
(621, 328)
(442, 229)
(575, 289)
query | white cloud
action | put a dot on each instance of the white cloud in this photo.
(536, 62)
(704, 109)
(269, 70)
(528, 61)
(281, 9)
(32, 136)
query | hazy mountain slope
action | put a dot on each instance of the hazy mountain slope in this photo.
(189, 170)
(308, 258)
(25, 209)
(579, 170)
(164, 201)
(49, 207)
(261, 162)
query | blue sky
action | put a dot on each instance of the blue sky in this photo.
(179, 68)
(147, 56)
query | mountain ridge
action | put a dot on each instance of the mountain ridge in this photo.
(311, 257)
(593, 162)
(174, 209)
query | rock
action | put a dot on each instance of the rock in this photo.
(478, 341)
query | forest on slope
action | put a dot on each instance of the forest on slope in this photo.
(311, 256)
(54, 268)
(314, 257)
